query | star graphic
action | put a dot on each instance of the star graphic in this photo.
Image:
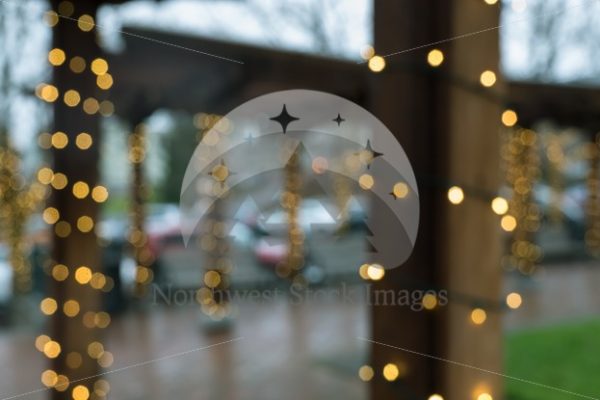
(339, 120)
(284, 118)
(372, 154)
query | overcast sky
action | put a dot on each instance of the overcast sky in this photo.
(332, 27)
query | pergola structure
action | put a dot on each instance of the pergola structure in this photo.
(448, 131)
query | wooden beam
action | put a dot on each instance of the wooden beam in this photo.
(450, 134)
(72, 247)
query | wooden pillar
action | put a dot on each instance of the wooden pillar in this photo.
(448, 125)
(74, 240)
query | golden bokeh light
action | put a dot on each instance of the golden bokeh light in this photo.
(400, 190)
(212, 279)
(48, 93)
(106, 359)
(71, 308)
(220, 173)
(83, 275)
(62, 229)
(499, 205)
(80, 392)
(509, 118)
(435, 57)
(104, 81)
(52, 349)
(86, 23)
(91, 106)
(100, 194)
(49, 378)
(363, 271)
(50, 215)
(508, 223)
(429, 301)
(366, 373)
(45, 175)
(59, 181)
(77, 64)
(375, 272)
(51, 18)
(391, 372)
(107, 108)
(95, 349)
(367, 52)
(377, 64)
(514, 300)
(485, 396)
(456, 195)
(99, 66)
(60, 272)
(56, 57)
(488, 78)
(48, 306)
(478, 316)
(59, 140)
(66, 8)
(41, 341)
(85, 224)
(366, 181)
(45, 140)
(84, 141)
(435, 397)
(80, 190)
(62, 383)
(72, 98)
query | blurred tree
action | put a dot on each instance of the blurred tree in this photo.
(179, 145)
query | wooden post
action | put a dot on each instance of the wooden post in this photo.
(448, 125)
(75, 246)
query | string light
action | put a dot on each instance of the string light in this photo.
(366, 373)
(366, 181)
(391, 372)
(508, 223)
(429, 301)
(72, 98)
(77, 64)
(488, 78)
(99, 66)
(367, 52)
(375, 272)
(435, 57)
(377, 64)
(86, 23)
(514, 300)
(509, 118)
(400, 190)
(66, 8)
(84, 141)
(456, 195)
(478, 316)
(500, 205)
(56, 57)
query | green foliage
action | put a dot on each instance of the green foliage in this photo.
(179, 145)
(566, 357)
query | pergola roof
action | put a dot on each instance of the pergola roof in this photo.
(151, 74)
